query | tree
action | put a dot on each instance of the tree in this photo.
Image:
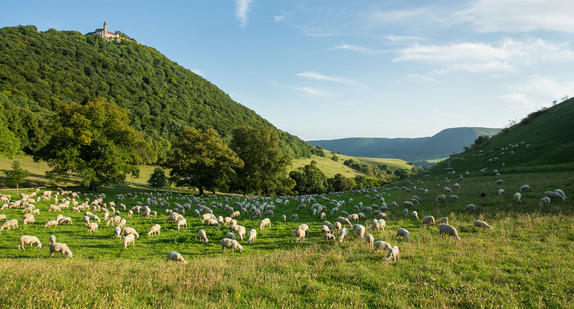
(158, 179)
(95, 142)
(201, 159)
(265, 165)
(16, 175)
(341, 183)
(309, 180)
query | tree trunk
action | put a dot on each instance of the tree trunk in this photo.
(93, 187)
(200, 190)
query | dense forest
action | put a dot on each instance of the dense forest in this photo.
(42, 71)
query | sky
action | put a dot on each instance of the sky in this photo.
(328, 69)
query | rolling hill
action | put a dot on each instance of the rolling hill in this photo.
(441, 145)
(41, 71)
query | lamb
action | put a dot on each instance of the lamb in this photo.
(299, 235)
(428, 220)
(369, 239)
(130, 231)
(118, 232)
(448, 230)
(203, 236)
(28, 240)
(470, 207)
(51, 223)
(360, 230)
(92, 227)
(381, 245)
(554, 194)
(130, 238)
(342, 234)
(403, 233)
(231, 244)
(154, 230)
(378, 224)
(524, 188)
(479, 223)
(181, 222)
(252, 236)
(415, 215)
(393, 253)
(59, 247)
(265, 222)
(443, 220)
(174, 256)
(545, 201)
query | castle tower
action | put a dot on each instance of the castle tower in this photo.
(105, 34)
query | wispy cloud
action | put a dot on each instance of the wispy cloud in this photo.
(314, 92)
(278, 18)
(395, 38)
(241, 10)
(537, 91)
(358, 49)
(321, 77)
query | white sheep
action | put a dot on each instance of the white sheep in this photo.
(443, 220)
(500, 191)
(470, 207)
(51, 223)
(480, 223)
(2, 217)
(92, 227)
(330, 237)
(499, 182)
(448, 230)
(241, 232)
(405, 212)
(265, 223)
(181, 222)
(524, 188)
(304, 227)
(415, 215)
(130, 238)
(428, 220)
(369, 239)
(329, 225)
(344, 221)
(213, 222)
(28, 240)
(378, 224)
(299, 234)
(130, 231)
(440, 198)
(325, 230)
(294, 217)
(60, 247)
(174, 256)
(338, 226)
(360, 230)
(252, 235)
(232, 244)
(283, 218)
(342, 234)
(118, 232)
(203, 236)
(381, 245)
(154, 230)
(393, 253)
(28, 218)
(545, 201)
(559, 191)
(554, 194)
(403, 233)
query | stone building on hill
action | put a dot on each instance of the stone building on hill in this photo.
(104, 33)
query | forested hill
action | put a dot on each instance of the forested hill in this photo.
(441, 145)
(41, 70)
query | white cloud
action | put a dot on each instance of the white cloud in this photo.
(537, 91)
(278, 18)
(359, 49)
(321, 77)
(314, 92)
(505, 56)
(395, 38)
(519, 15)
(241, 10)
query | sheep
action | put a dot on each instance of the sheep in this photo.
(342, 234)
(479, 223)
(448, 230)
(10, 224)
(59, 247)
(241, 232)
(283, 218)
(344, 221)
(252, 235)
(500, 191)
(212, 222)
(54, 208)
(235, 214)
(51, 223)
(231, 244)
(118, 232)
(325, 230)
(129, 239)
(174, 256)
(114, 219)
(130, 231)
(443, 220)
(559, 191)
(360, 230)
(378, 224)
(545, 201)
(524, 188)
(393, 253)
(470, 207)
(28, 240)
(94, 218)
(329, 225)
(338, 226)
(122, 222)
(405, 212)
(403, 233)
(554, 194)
(499, 182)
(304, 227)
(408, 204)
(86, 219)
(381, 245)
(92, 227)
(265, 222)
(440, 198)
(294, 217)
(330, 237)
(428, 220)
(369, 239)
(203, 236)
(28, 218)
(181, 222)
(154, 230)
(2, 217)
(299, 235)
(230, 235)
(323, 216)
(415, 215)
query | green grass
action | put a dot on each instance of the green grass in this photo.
(526, 260)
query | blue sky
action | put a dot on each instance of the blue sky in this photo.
(326, 69)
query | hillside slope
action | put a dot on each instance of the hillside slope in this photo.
(440, 145)
(41, 70)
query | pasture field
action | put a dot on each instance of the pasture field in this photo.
(330, 168)
(525, 261)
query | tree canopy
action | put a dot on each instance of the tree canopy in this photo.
(16, 175)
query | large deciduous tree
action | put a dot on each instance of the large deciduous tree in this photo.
(310, 180)
(16, 175)
(265, 165)
(158, 179)
(95, 142)
(202, 159)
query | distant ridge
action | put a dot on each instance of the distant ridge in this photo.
(440, 145)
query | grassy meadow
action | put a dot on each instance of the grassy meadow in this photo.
(526, 260)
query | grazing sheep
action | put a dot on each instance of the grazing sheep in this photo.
(545, 201)
(360, 230)
(304, 227)
(403, 233)
(251, 237)
(405, 212)
(381, 245)
(203, 236)
(559, 191)
(344, 221)
(174, 256)
(2, 217)
(118, 232)
(393, 253)
(130, 238)
(479, 223)
(54, 208)
(500, 191)
(428, 220)
(114, 219)
(470, 207)
(440, 198)
(28, 218)
(92, 227)
(499, 182)
(230, 235)
(59, 247)
(86, 219)
(154, 230)
(524, 188)
(378, 224)
(517, 197)
(265, 222)
(28, 240)
(338, 226)
(554, 194)
(415, 215)
(51, 223)
(130, 231)
(94, 218)
(325, 230)
(241, 232)
(448, 230)
(122, 222)
(330, 237)
(181, 222)
(408, 204)
(231, 244)
(235, 214)
(369, 239)
(329, 225)
(323, 216)
(294, 217)
(10, 224)
(283, 218)
(443, 220)
(353, 217)
(299, 234)
(342, 234)
(67, 220)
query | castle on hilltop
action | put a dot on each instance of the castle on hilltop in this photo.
(104, 33)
